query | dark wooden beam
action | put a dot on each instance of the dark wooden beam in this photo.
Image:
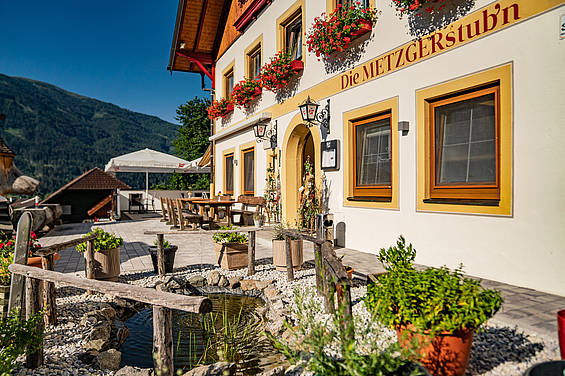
(221, 27)
(178, 25)
(204, 58)
(200, 24)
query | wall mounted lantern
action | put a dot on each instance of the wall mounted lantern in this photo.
(310, 114)
(264, 132)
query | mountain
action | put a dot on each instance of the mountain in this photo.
(57, 135)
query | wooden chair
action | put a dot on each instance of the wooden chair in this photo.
(163, 210)
(188, 219)
(250, 206)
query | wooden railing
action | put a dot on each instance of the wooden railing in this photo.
(163, 302)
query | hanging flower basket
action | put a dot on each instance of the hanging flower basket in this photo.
(334, 33)
(220, 108)
(415, 6)
(245, 91)
(297, 66)
(276, 73)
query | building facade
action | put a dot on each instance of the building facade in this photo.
(448, 127)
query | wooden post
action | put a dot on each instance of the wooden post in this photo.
(160, 254)
(49, 297)
(289, 267)
(163, 341)
(180, 217)
(251, 254)
(90, 274)
(319, 268)
(330, 295)
(346, 319)
(21, 252)
(33, 306)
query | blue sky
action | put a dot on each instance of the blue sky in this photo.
(115, 51)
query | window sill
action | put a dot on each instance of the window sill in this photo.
(369, 199)
(462, 202)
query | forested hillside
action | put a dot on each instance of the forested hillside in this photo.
(57, 135)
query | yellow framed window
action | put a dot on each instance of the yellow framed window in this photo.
(228, 83)
(248, 156)
(228, 173)
(293, 37)
(254, 62)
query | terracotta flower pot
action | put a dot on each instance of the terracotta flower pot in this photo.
(445, 354)
(364, 28)
(36, 261)
(234, 255)
(297, 66)
(349, 270)
(107, 264)
(296, 251)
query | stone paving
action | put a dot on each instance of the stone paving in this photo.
(525, 308)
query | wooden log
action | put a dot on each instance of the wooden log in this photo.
(196, 304)
(251, 253)
(210, 232)
(33, 306)
(319, 268)
(89, 262)
(49, 250)
(297, 235)
(161, 255)
(49, 297)
(289, 266)
(346, 315)
(163, 341)
(21, 252)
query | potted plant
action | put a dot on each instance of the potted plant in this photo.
(8, 245)
(279, 249)
(246, 91)
(415, 6)
(335, 32)
(170, 251)
(276, 73)
(220, 108)
(231, 248)
(437, 310)
(106, 254)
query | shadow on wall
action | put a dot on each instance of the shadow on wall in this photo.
(341, 61)
(289, 90)
(423, 23)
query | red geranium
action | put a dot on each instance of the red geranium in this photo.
(275, 74)
(414, 6)
(220, 108)
(245, 91)
(336, 31)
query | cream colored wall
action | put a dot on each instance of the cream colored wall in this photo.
(524, 249)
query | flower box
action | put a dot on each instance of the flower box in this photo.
(257, 92)
(297, 66)
(231, 256)
(229, 109)
(364, 28)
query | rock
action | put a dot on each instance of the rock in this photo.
(99, 337)
(216, 369)
(247, 284)
(86, 357)
(107, 313)
(294, 370)
(271, 292)
(119, 333)
(235, 282)
(109, 360)
(197, 281)
(191, 290)
(173, 283)
(214, 278)
(276, 327)
(261, 285)
(134, 371)
(278, 371)
(223, 282)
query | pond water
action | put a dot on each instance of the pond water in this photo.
(232, 332)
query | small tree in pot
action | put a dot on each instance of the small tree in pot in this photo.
(106, 254)
(437, 310)
(231, 248)
(279, 249)
(170, 252)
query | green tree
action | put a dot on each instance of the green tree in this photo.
(191, 142)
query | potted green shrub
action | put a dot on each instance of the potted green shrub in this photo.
(169, 250)
(231, 249)
(279, 249)
(106, 254)
(435, 310)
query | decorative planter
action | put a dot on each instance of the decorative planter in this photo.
(445, 354)
(296, 251)
(257, 92)
(561, 331)
(297, 66)
(36, 261)
(364, 28)
(107, 264)
(234, 255)
(229, 109)
(169, 258)
(4, 297)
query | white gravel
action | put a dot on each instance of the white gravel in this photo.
(498, 349)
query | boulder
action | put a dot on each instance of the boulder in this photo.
(248, 284)
(278, 371)
(109, 360)
(104, 314)
(234, 282)
(223, 282)
(99, 338)
(214, 278)
(216, 369)
(271, 292)
(197, 280)
(134, 371)
(119, 333)
(261, 285)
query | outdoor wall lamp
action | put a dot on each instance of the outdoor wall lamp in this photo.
(310, 114)
(262, 133)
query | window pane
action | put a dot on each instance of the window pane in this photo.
(465, 135)
(255, 64)
(229, 84)
(229, 174)
(348, 3)
(294, 38)
(373, 153)
(248, 172)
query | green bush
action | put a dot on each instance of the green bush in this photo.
(432, 300)
(103, 242)
(229, 237)
(16, 337)
(5, 275)
(166, 244)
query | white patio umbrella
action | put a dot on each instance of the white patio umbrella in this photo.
(148, 160)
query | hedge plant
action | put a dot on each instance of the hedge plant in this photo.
(432, 300)
(103, 242)
(17, 336)
(229, 237)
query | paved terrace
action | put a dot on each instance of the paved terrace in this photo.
(526, 308)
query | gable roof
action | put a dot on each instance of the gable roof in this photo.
(94, 179)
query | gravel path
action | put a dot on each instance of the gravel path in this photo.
(497, 350)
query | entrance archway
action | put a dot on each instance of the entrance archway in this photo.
(300, 142)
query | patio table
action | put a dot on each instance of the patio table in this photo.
(214, 204)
